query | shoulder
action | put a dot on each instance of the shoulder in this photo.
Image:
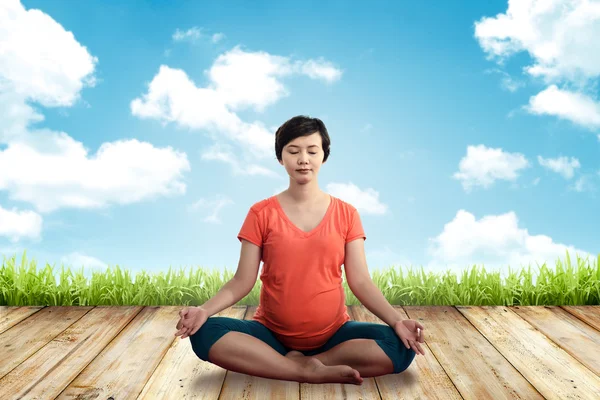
(260, 206)
(345, 211)
(344, 205)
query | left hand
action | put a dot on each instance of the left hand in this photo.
(407, 331)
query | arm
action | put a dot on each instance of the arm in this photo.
(361, 284)
(242, 282)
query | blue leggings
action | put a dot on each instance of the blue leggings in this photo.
(215, 327)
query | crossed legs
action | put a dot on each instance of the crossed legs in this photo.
(355, 351)
(363, 355)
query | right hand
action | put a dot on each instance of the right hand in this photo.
(192, 318)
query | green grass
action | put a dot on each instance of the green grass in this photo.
(568, 283)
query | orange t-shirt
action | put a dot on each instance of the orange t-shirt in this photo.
(302, 299)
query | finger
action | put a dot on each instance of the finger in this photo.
(189, 331)
(405, 343)
(416, 348)
(418, 345)
(179, 332)
(412, 346)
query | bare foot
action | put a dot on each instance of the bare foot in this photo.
(317, 372)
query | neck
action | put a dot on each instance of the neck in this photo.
(304, 194)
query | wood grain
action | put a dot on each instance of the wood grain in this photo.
(11, 316)
(549, 368)
(182, 375)
(588, 314)
(53, 367)
(31, 334)
(423, 379)
(529, 352)
(477, 369)
(574, 336)
(122, 369)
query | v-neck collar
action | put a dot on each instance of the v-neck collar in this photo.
(298, 230)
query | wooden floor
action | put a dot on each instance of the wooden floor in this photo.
(131, 353)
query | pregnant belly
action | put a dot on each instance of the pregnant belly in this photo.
(305, 315)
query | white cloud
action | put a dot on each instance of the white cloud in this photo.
(508, 82)
(482, 166)
(39, 59)
(575, 107)
(173, 97)
(253, 79)
(237, 80)
(223, 154)
(217, 37)
(318, 69)
(560, 36)
(191, 34)
(51, 170)
(41, 62)
(16, 224)
(194, 34)
(582, 184)
(76, 260)
(496, 241)
(561, 165)
(366, 201)
(214, 207)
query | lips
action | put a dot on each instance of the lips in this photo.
(303, 170)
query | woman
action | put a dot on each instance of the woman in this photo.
(301, 330)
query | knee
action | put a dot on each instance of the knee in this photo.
(209, 326)
(211, 331)
(401, 356)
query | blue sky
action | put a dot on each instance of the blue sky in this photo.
(139, 133)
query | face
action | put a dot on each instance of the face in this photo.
(303, 153)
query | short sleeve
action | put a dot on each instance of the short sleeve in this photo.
(355, 228)
(251, 229)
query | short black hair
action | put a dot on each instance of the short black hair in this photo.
(297, 126)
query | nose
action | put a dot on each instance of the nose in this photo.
(303, 159)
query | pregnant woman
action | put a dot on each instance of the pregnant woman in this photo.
(301, 330)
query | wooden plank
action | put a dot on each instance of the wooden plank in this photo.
(241, 386)
(12, 315)
(126, 364)
(182, 375)
(47, 372)
(588, 314)
(573, 335)
(550, 369)
(423, 379)
(477, 369)
(366, 391)
(33, 333)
